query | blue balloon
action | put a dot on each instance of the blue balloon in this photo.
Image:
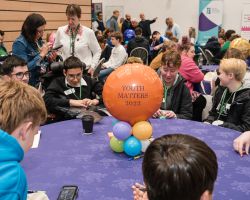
(122, 130)
(129, 34)
(132, 146)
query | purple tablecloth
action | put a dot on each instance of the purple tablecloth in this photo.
(209, 68)
(65, 157)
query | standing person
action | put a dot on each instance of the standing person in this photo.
(3, 50)
(113, 21)
(192, 74)
(30, 47)
(98, 23)
(176, 102)
(126, 23)
(22, 111)
(177, 167)
(145, 25)
(78, 40)
(15, 68)
(173, 27)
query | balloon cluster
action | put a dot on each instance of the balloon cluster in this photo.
(132, 94)
(131, 140)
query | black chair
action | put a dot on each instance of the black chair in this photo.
(140, 52)
(98, 68)
(209, 56)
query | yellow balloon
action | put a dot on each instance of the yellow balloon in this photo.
(142, 130)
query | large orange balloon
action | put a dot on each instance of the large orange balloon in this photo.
(133, 93)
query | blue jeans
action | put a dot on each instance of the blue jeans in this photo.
(104, 73)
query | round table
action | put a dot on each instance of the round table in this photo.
(67, 157)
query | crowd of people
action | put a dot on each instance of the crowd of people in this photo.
(89, 56)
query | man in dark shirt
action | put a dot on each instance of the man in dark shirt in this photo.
(73, 90)
(145, 25)
(127, 23)
(98, 23)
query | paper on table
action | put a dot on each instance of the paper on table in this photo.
(36, 140)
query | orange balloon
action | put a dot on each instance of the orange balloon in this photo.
(133, 93)
(142, 130)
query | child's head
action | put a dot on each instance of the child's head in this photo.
(22, 110)
(116, 38)
(236, 67)
(133, 59)
(179, 167)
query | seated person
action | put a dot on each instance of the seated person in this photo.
(177, 101)
(22, 111)
(177, 167)
(73, 90)
(117, 58)
(138, 41)
(231, 102)
(242, 143)
(133, 59)
(3, 50)
(15, 68)
(167, 45)
(156, 44)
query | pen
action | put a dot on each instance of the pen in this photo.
(136, 157)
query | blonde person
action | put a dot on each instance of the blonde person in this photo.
(133, 59)
(22, 111)
(231, 102)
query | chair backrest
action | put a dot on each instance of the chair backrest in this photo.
(98, 68)
(209, 56)
(140, 52)
(206, 87)
(204, 55)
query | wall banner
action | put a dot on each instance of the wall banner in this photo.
(210, 19)
(245, 22)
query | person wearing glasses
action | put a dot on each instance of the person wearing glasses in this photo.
(72, 90)
(15, 68)
(30, 47)
(177, 101)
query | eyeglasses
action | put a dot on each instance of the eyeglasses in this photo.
(20, 75)
(73, 76)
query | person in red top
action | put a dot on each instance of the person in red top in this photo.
(191, 72)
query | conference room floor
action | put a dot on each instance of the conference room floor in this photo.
(66, 157)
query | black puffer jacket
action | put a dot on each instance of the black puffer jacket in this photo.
(138, 41)
(238, 115)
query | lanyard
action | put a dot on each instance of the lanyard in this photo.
(78, 97)
(223, 102)
(165, 95)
